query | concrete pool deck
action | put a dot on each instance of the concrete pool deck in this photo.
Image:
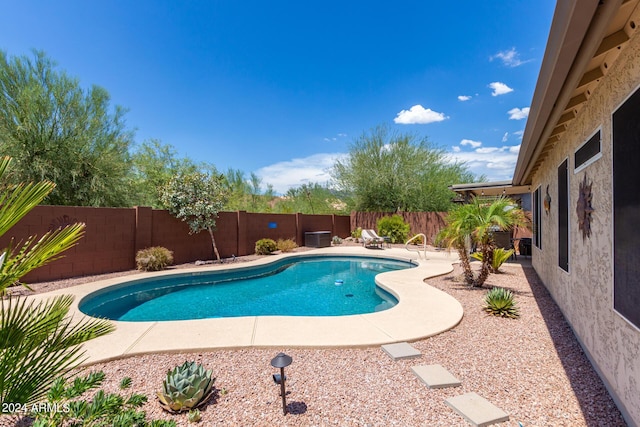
(422, 311)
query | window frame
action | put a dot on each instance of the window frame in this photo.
(564, 214)
(536, 202)
(577, 168)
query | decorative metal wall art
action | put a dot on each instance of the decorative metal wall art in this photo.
(547, 201)
(584, 208)
(61, 222)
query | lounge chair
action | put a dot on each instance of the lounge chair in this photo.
(371, 239)
(382, 238)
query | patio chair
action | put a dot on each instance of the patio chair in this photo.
(384, 239)
(371, 239)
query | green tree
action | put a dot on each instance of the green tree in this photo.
(388, 172)
(239, 190)
(196, 198)
(474, 223)
(310, 199)
(38, 342)
(59, 132)
(246, 193)
(154, 163)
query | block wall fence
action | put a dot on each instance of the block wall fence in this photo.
(113, 236)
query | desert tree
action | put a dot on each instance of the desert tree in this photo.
(55, 130)
(196, 198)
(154, 164)
(388, 171)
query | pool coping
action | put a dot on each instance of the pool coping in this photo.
(422, 311)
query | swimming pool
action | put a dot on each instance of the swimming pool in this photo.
(296, 286)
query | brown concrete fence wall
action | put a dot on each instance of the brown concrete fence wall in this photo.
(114, 235)
(428, 223)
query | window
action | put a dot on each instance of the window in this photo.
(563, 215)
(537, 221)
(588, 152)
(626, 210)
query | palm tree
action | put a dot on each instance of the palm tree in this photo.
(38, 342)
(476, 222)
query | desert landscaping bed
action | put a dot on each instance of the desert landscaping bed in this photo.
(533, 368)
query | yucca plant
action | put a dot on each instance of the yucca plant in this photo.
(500, 302)
(186, 387)
(499, 257)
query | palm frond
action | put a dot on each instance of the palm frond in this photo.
(38, 343)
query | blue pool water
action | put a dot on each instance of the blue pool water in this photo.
(302, 286)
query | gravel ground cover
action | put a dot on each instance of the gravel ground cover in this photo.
(533, 368)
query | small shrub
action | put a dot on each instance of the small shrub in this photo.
(500, 302)
(194, 416)
(357, 233)
(154, 259)
(286, 245)
(500, 256)
(336, 240)
(418, 240)
(394, 228)
(265, 246)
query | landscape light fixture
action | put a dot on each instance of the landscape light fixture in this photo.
(281, 361)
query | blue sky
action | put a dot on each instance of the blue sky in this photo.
(281, 88)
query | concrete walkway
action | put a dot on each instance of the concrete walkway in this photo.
(422, 311)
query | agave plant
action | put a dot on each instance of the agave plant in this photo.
(500, 302)
(185, 387)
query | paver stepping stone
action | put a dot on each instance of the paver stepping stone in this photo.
(401, 350)
(477, 410)
(435, 376)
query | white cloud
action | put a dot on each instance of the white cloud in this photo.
(518, 113)
(486, 150)
(293, 173)
(418, 115)
(456, 149)
(473, 144)
(499, 88)
(335, 138)
(464, 98)
(510, 58)
(505, 137)
(496, 163)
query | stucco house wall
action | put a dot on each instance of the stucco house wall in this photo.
(585, 293)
